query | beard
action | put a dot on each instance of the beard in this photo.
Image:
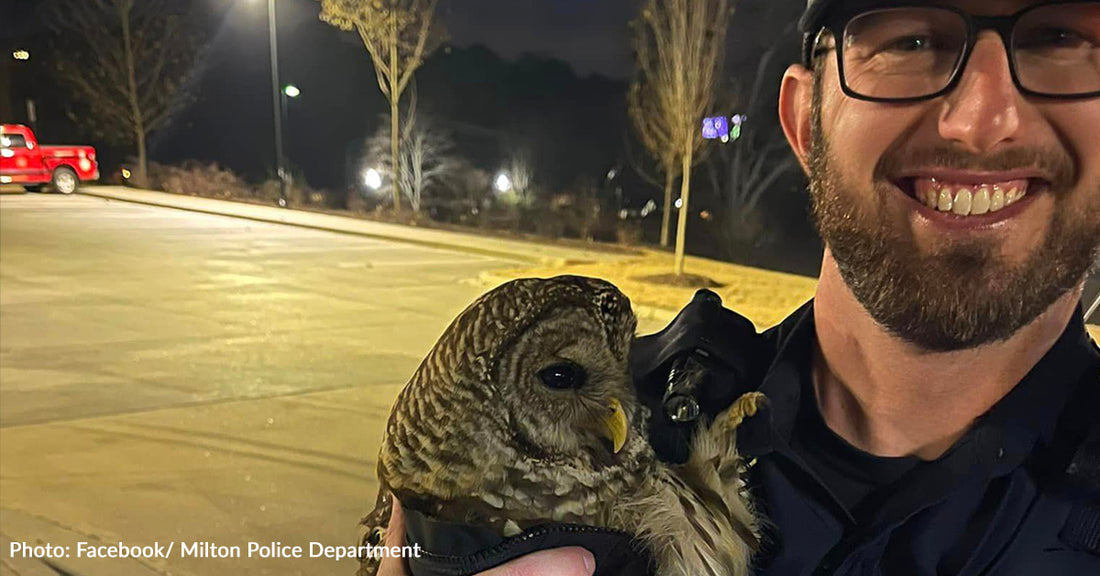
(964, 295)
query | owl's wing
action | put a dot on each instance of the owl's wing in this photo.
(699, 521)
(376, 523)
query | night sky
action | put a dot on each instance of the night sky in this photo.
(591, 35)
(333, 69)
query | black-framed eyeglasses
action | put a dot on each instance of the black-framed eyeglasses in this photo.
(915, 51)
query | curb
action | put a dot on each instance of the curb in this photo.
(505, 254)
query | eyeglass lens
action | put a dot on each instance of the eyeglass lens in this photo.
(910, 52)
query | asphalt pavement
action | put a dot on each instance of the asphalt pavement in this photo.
(174, 376)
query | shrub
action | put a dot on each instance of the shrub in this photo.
(195, 178)
(209, 180)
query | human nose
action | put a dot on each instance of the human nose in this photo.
(983, 109)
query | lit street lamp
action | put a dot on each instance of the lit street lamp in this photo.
(372, 178)
(289, 91)
(503, 183)
(21, 55)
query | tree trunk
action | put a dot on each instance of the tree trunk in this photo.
(395, 157)
(666, 216)
(143, 163)
(395, 99)
(123, 7)
(681, 225)
(417, 158)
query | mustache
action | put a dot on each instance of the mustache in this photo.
(1055, 164)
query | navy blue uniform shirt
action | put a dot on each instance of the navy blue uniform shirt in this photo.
(985, 507)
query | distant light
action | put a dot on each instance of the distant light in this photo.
(705, 215)
(503, 183)
(611, 174)
(649, 208)
(679, 203)
(126, 173)
(715, 127)
(372, 178)
(292, 91)
(738, 121)
(21, 55)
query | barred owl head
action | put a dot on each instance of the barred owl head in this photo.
(554, 354)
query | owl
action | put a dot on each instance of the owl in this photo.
(524, 412)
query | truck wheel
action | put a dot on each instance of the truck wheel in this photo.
(65, 180)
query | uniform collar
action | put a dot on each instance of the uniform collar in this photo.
(1026, 415)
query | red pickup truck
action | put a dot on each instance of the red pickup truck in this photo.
(24, 161)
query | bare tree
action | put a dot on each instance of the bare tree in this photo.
(424, 157)
(398, 35)
(742, 173)
(744, 170)
(657, 138)
(679, 46)
(521, 171)
(129, 62)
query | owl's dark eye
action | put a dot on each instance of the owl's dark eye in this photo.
(563, 376)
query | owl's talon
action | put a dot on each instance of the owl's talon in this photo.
(744, 407)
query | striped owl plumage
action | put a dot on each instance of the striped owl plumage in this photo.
(524, 412)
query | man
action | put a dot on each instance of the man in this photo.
(930, 409)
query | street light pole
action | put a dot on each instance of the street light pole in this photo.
(277, 97)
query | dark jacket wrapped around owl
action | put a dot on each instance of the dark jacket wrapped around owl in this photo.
(451, 549)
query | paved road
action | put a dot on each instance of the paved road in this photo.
(171, 376)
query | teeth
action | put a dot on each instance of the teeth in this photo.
(962, 202)
(969, 200)
(998, 200)
(980, 203)
(946, 200)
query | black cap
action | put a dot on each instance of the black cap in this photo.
(811, 18)
(809, 24)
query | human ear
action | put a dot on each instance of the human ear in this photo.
(795, 110)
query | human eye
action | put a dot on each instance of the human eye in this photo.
(1054, 38)
(908, 44)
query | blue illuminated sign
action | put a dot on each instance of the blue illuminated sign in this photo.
(715, 128)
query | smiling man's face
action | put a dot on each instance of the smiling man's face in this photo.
(957, 220)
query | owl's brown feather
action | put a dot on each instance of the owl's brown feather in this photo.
(479, 435)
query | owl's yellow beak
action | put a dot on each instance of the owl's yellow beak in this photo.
(615, 426)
